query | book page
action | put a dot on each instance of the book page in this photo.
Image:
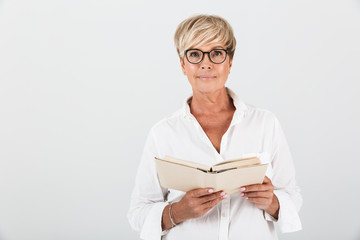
(237, 163)
(232, 180)
(180, 177)
(185, 163)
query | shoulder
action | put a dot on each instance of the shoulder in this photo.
(170, 121)
(250, 112)
(262, 121)
(259, 114)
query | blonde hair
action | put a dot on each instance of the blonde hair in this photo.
(201, 29)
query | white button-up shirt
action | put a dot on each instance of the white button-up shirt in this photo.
(252, 132)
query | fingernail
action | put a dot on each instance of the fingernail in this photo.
(225, 196)
(222, 194)
(211, 190)
(242, 194)
(242, 189)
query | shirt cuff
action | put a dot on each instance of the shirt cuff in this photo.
(288, 219)
(268, 217)
(152, 229)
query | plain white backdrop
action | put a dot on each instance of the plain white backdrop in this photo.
(82, 82)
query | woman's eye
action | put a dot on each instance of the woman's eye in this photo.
(217, 53)
(194, 54)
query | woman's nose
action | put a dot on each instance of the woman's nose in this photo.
(206, 63)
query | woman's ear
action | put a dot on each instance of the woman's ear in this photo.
(182, 63)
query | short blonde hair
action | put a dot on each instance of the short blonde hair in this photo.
(201, 29)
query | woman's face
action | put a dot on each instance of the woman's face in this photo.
(206, 76)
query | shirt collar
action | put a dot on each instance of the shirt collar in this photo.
(238, 103)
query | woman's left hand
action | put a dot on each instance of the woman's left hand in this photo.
(263, 196)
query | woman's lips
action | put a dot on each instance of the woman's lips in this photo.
(206, 77)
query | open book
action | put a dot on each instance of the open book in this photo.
(229, 176)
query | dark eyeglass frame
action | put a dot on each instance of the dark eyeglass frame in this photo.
(203, 54)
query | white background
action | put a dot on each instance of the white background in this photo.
(82, 82)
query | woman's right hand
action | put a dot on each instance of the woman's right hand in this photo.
(196, 203)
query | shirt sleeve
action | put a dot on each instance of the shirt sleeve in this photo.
(148, 198)
(286, 190)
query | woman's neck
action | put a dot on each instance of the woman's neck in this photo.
(211, 103)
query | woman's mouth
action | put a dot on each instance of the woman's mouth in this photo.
(206, 77)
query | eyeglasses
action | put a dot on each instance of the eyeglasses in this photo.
(216, 56)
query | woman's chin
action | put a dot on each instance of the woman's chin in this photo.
(208, 88)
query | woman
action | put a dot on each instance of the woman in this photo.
(214, 125)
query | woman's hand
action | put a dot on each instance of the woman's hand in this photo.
(263, 196)
(196, 203)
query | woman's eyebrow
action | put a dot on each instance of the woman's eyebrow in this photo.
(218, 47)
